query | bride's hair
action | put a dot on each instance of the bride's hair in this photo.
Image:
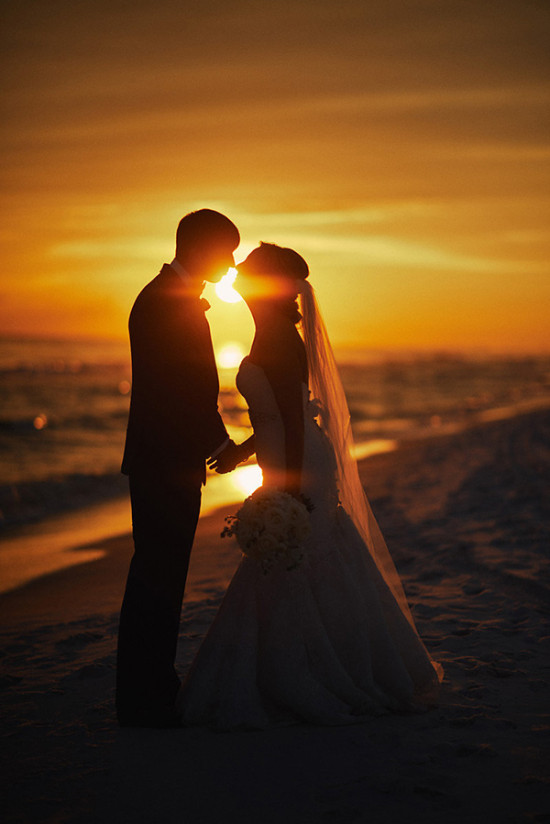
(270, 259)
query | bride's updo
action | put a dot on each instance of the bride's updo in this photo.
(270, 259)
(271, 276)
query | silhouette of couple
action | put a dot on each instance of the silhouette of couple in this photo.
(328, 642)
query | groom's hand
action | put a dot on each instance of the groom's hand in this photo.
(226, 460)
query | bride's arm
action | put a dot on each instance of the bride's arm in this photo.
(240, 454)
(285, 378)
(247, 448)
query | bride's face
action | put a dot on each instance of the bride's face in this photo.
(267, 287)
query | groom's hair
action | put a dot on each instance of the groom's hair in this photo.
(205, 226)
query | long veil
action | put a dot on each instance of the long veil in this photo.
(326, 386)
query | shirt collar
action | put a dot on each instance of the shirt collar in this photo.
(184, 275)
(179, 270)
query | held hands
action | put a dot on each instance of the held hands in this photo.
(233, 454)
(226, 460)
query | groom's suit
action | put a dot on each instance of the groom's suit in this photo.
(173, 426)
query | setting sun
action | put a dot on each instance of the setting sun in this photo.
(247, 478)
(230, 355)
(224, 289)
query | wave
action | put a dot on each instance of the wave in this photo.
(30, 501)
(68, 368)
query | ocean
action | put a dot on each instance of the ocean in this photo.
(64, 406)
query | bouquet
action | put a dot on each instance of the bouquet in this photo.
(271, 526)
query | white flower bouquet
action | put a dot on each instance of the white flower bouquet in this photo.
(271, 526)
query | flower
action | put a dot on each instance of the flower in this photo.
(270, 526)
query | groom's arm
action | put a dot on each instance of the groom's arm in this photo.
(194, 385)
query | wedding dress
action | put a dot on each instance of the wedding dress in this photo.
(329, 642)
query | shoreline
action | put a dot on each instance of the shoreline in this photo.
(73, 537)
(65, 539)
(83, 549)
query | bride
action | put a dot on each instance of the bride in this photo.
(331, 640)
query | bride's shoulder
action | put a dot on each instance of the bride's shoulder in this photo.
(248, 367)
(249, 373)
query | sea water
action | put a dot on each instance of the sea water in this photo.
(64, 408)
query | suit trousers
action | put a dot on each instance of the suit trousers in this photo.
(164, 519)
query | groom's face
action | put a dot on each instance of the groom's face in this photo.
(211, 262)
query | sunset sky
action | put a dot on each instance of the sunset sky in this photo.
(402, 147)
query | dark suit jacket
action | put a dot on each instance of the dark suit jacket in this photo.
(174, 423)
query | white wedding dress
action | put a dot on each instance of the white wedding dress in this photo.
(326, 642)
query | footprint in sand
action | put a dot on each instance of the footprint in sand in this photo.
(80, 639)
(92, 671)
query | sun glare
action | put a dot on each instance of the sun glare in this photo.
(224, 289)
(247, 478)
(230, 355)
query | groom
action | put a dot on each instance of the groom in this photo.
(173, 427)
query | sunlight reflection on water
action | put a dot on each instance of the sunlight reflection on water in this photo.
(60, 541)
(221, 490)
(374, 447)
(67, 540)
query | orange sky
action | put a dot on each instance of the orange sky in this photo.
(401, 147)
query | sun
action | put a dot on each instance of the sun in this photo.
(224, 289)
(229, 355)
(247, 478)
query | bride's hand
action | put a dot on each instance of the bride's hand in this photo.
(226, 460)
(232, 455)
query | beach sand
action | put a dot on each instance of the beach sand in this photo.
(467, 520)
